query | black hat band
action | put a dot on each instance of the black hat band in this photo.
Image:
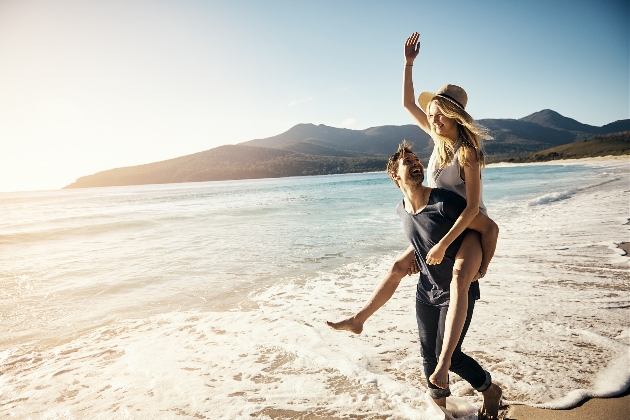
(443, 95)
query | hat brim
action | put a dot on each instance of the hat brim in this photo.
(424, 99)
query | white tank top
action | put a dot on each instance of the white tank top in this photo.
(449, 177)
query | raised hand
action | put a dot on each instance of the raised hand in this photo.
(412, 47)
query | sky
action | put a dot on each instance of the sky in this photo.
(87, 86)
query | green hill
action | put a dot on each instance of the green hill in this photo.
(231, 162)
(605, 145)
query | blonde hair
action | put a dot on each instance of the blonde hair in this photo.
(473, 134)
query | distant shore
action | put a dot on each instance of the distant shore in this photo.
(599, 159)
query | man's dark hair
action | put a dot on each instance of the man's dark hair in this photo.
(392, 164)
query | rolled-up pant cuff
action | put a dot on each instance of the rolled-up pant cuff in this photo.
(487, 383)
(439, 393)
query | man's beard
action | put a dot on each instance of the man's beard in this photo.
(414, 182)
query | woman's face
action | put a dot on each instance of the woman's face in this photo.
(442, 124)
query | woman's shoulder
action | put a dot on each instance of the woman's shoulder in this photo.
(470, 152)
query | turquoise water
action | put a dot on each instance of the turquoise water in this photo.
(94, 255)
(154, 289)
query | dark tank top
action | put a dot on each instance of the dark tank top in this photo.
(424, 229)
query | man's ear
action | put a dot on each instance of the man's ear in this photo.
(394, 176)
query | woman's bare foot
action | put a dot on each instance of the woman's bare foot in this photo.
(439, 377)
(440, 401)
(350, 324)
(491, 401)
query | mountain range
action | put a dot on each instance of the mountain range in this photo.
(308, 149)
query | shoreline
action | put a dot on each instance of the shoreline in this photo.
(597, 159)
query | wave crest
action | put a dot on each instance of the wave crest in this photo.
(563, 195)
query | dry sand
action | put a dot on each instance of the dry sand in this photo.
(598, 159)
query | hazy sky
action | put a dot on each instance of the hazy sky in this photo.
(92, 85)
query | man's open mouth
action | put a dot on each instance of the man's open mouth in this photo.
(416, 171)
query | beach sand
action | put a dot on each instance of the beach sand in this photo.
(550, 335)
(617, 408)
(599, 159)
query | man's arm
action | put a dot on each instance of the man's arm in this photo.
(404, 265)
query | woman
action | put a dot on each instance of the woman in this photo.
(455, 165)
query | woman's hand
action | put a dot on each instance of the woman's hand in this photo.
(436, 254)
(412, 48)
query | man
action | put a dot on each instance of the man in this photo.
(444, 299)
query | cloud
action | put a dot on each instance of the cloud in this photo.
(300, 101)
(349, 121)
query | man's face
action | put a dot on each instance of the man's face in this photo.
(410, 171)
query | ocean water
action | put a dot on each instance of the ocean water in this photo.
(209, 300)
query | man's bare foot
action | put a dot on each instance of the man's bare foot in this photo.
(350, 324)
(491, 401)
(439, 378)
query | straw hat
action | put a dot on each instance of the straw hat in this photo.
(452, 93)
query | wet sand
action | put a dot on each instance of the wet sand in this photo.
(617, 408)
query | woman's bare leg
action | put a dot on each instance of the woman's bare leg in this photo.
(404, 265)
(466, 265)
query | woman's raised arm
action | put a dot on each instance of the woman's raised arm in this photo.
(412, 49)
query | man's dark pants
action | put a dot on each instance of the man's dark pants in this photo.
(431, 322)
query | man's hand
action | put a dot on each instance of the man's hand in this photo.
(436, 254)
(414, 269)
(412, 48)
